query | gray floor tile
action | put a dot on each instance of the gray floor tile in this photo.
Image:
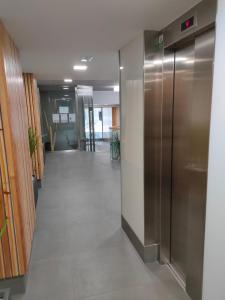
(80, 251)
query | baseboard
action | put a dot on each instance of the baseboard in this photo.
(148, 253)
(16, 285)
(39, 183)
(5, 294)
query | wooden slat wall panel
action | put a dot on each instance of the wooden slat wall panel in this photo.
(115, 116)
(33, 112)
(16, 170)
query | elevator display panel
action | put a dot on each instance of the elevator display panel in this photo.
(187, 24)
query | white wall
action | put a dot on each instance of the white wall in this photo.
(214, 260)
(106, 97)
(132, 135)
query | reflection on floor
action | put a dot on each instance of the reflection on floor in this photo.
(80, 251)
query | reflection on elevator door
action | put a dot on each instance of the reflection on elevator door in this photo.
(191, 82)
(183, 89)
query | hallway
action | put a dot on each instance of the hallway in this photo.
(79, 250)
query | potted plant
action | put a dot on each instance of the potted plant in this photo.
(115, 145)
(33, 143)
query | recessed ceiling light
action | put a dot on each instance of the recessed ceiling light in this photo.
(121, 67)
(116, 88)
(65, 88)
(68, 80)
(87, 59)
(80, 67)
(66, 95)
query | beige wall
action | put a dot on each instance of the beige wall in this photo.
(132, 135)
(214, 260)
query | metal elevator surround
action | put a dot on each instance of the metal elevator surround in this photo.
(152, 135)
(166, 154)
(177, 108)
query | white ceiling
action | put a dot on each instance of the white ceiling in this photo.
(53, 35)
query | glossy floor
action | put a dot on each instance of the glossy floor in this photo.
(79, 250)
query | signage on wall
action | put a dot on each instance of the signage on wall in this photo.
(64, 118)
(55, 118)
(159, 42)
(72, 118)
(187, 24)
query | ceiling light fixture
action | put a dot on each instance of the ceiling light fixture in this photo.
(80, 67)
(121, 67)
(68, 80)
(65, 88)
(86, 59)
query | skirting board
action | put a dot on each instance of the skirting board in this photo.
(39, 183)
(16, 285)
(147, 253)
(5, 294)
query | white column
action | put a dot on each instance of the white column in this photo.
(214, 260)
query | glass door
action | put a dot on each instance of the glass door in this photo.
(107, 122)
(85, 118)
(59, 120)
(98, 123)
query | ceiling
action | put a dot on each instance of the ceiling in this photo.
(53, 35)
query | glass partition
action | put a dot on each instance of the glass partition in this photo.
(85, 118)
(98, 122)
(107, 122)
(59, 120)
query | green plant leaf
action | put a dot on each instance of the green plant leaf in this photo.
(33, 140)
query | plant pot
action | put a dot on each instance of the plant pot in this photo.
(5, 294)
(35, 188)
(115, 150)
(47, 146)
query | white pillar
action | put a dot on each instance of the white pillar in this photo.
(214, 260)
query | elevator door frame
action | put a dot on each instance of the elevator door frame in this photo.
(167, 157)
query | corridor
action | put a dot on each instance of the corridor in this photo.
(79, 250)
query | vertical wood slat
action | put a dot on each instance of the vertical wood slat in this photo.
(33, 112)
(6, 209)
(115, 116)
(18, 202)
(6, 253)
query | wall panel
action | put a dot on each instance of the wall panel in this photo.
(17, 198)
(132, 137)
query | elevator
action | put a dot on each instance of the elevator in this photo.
(178, 76)
(188, 78)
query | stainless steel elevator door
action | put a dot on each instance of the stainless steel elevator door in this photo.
(199, 125)
(183, 93)
(193, 71)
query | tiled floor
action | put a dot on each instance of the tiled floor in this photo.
(79, 250)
